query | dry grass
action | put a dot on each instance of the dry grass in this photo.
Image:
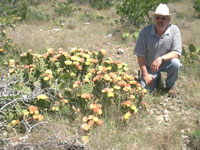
(187, 21)
(82, 30)
(143, 132)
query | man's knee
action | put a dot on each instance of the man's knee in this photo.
(176, 64)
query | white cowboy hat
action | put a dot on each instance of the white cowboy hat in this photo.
(161, 10)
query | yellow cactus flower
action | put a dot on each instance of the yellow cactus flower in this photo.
(127, 115)
(75, 85)
(85, 119)
(91, 106)
(76, 58)
(119, 66)
(85, 127)
(86, 80)
(37, 55)
(36, 112)
(14, 122)
(11, 71)
(85, 139)
(88, 75)
(144, 91)
(119, 78)
(68, 62)
(95, 119)
(86, 56)
(90, 117)
(49, 72)
(133, 107)
(40, 117)
(110, 94)
(139, 88)
(125, 68)
(73, 50)
(72, 74)
(42, 97)
(107, 77)
(50, 50)
(65, 101)
(99, 112)
(88, 61)
(117, 87)
(32, 109)
(46, 78)
(103, 52)
(12, 62)
(25, 113)
(55, 108)
(109, 68)
(35, 116)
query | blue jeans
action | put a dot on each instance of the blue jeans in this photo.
(171, 67)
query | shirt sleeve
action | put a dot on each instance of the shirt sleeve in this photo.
(177, 41)
(140, 48)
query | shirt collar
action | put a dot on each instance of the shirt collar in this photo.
(153, 32)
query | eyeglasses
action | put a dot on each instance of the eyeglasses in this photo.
(162, 18)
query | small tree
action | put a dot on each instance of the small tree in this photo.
(135, 11)
(196, 6)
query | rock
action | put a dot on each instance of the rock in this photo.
(184, 147)
(151, 112)
(166, 118)
(120, 51)
(182, 131)
(56, 30)
(108, 36)
(166, 112)
(160, 119)
(172, 108)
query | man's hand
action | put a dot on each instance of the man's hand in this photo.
(156, 64)
(148, 78)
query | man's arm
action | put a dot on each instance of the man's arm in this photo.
(147, 77)
(170, 55)
(158, 61)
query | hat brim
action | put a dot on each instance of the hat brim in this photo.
(152, 14)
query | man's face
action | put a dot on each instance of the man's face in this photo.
(161, 22)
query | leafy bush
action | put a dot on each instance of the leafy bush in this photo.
(37, 2)
(17, 7)
(196, 5)
(7, 47)
(37, 13)
(64, 8)
(191, 54)
(135, 12)
(101, 4)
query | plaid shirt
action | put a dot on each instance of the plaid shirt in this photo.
(151, 46)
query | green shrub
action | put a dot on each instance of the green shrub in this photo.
(135, 12)
(196, 6)
(64, 8)
(71, 24)
(18, 7)
(37, 2)
(87, 16)
(191, 54)
(37, 13)
(101, 4)
(7, 47)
